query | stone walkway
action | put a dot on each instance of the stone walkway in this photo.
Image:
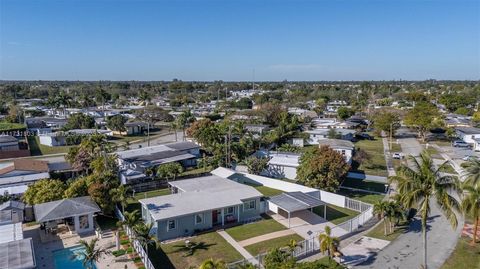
(265, 237)
(238, 247)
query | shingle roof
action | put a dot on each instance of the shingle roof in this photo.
(468, 130)
(65, 208)
(295, 201)
(17, 254)
(12, 204)
(337, 143)
(7, 138)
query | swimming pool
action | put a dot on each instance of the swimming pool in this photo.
(69, 258)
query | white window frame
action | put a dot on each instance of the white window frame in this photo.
(233, 210)
(202, 216)
(168, 225)
(247, 205)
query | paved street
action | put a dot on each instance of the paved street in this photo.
(406, 252)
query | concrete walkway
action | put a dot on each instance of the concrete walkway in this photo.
(238, 247)
(388, 157)
(265, 237)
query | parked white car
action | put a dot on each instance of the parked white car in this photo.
(397, 155)
(469, 158)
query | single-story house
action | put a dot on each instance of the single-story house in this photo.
(468, 134)
(344, 147)
(60, 138)
(8, 143)
(316, 135)
(134, 163)
(15, 177)
(14, 209)
(135, 127)
(45, 124)
(456, 120)
(76, 212)
(281, 165)
(257, 128)
(199, 204)
(16, 252)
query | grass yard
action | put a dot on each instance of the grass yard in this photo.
(364, 185)
(38, 149)
(361, 196)
(8, 126)
(379, 232)
(377, 166)
(395, 147)
(196, 171)
(432, 151)
(211, 245)
(279, 242)
(246, 231)
(447, 168)
(464, 255)
(335, 214)
(133, 201)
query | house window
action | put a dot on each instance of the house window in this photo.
(198, 218)
(343, 152)
(249, 205)
(171, 225)
(230, 210)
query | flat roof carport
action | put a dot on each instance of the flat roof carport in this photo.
(297, 201)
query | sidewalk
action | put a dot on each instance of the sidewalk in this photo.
(237, 246)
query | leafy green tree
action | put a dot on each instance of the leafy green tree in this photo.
(213, 264)
(386, 120)
(77, 188)
(91, 254)
(423, 184)
(45, 190)
(322, 168)
(120, 195)
(423, 117)
(256, 165)
(471, 205)
(279, 259)
(328, 243)
(169, 170)
(117, 123)
(345, 112)
(79, 121)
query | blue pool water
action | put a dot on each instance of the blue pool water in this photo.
(69, 258)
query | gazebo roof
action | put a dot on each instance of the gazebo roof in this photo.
(65, 208)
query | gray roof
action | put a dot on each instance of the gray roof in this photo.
(182, 145)
(12, 204)
(295, 201)
(199, 195)
(65, 208)
(325, 131)
(7, 138)
(337, 143)
(468, 130)
(17, 254)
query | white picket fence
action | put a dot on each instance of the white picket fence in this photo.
(135, 244)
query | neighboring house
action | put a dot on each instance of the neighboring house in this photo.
(302, 113)
(43, 123)
(135, 128)
(281, 165)
(297, 142)
(316, 135)
(60, 138)
(200, 204)
(16, 252)
(456, 120)
(468, 134)
(14, 209)
(134, 163)
(344, 147)
(333, 123)
(8, 143)
(257, 128)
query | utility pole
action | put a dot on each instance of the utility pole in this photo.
(391, 135)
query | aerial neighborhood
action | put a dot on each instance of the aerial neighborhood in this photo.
(233, 173)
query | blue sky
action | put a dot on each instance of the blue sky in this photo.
(229, 39)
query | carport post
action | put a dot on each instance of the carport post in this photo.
(325, 211)
(289, 219)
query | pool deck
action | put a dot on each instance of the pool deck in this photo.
(44, 251)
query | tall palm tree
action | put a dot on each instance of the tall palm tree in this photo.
(92, 254)
(328, 242)
(174, 127)
(213, 264)
(472, 171)
(130, 219)
(471, 205)
(120, 195)
(423, 183)
(380, 209)
(142, 234)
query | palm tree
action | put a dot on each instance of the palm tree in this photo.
(92, 254)
(213, 264)
(174, 126)
(120, 195)
(169, 170)
(422, 184)
(380, 209)
(471, 205)
(130, 219)
(328, 242)
(143, 236)
(472, 171)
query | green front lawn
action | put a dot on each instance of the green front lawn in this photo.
(253, 229)
(196, 171)
(133, 203)
(335, 214)
(377, 165)
(8, 126)
(464, 255)
(38, 149)
(278, 242)
(211, 245)
(379, 232)
(361, 196)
